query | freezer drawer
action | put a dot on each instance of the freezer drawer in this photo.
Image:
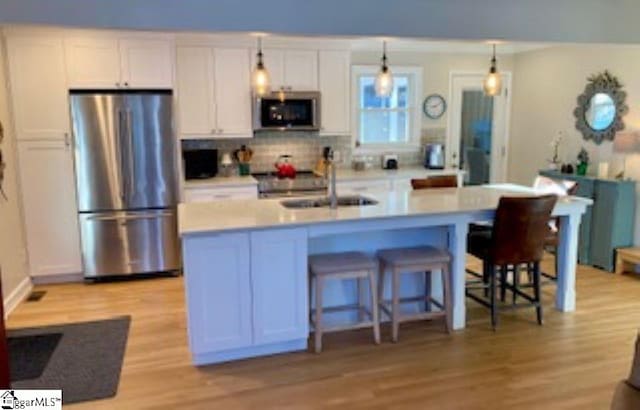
(124, 243)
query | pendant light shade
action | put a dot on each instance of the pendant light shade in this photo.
(384, 79)
(260, 80)
(492, 83)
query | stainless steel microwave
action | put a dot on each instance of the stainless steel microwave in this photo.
(287, 110)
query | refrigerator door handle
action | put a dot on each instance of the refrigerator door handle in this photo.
(118, 143)
(130, 156)
(128, 217)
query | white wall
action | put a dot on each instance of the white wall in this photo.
(13, 259)
(436, 69)
(546, 85)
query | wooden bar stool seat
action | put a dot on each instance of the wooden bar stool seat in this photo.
(414, 260)
(345, 265)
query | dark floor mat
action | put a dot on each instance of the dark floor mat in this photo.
(29, 355)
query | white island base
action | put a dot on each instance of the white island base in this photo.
(245, 262)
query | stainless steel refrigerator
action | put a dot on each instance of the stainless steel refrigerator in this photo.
(126, 181)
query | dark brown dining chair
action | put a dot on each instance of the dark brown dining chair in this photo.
(516, 239)
(438, 181)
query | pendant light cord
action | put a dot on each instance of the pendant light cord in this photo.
(384, 57)
(259, 63)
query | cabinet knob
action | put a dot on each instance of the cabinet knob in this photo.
(67, 140)
(220, 130)
(126, 84)
(117, 84)
(213, 130)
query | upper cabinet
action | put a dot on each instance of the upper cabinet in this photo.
(38, 87)
(334, 77)
(96, 62)
(291, 69)
(214, 92)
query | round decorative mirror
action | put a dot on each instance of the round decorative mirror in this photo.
(601, 112)
(601, 108)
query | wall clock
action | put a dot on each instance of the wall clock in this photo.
(434, 106)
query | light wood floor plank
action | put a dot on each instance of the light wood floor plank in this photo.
(572, 362)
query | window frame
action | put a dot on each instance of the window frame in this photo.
(415, 108)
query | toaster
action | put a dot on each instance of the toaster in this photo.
(390, 161)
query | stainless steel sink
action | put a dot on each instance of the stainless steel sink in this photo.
(352, 200)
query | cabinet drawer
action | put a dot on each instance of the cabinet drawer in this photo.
(220, 194)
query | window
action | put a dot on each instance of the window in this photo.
(390, 122)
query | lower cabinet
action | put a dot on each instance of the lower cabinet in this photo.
(218, 288)
(362, 186)
(50, 207)
(246, 293)
(279, 284)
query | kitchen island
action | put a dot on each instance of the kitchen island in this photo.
(245, 262)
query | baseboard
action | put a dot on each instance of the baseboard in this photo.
(56, 279)
(17, 295)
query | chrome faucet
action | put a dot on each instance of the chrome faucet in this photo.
(333, 196)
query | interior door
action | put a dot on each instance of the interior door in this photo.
(149, 151)
(478, 129)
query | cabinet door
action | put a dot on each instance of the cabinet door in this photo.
(146, 63)
(196, 105)
(604, 211)
(217, 283)
(92, 62)
(50, 207)
(39, 88)
(280, 285)
(301, 70)
(334, 78)
(232, 92)
(274, 63)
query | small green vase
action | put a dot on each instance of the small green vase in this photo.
(581, 169)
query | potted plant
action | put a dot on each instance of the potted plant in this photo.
(554, 162)
(583, 162)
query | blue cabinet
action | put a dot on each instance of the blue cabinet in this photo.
(609, 223)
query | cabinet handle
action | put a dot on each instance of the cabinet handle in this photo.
(213, 130)
(220, 130)
(67, 140)
(118, 85)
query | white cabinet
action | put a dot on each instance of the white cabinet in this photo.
(232, 92)
(146, 63)
(38, 87)
(108, 62)
(50, 207)
(196, 100)
(214, 92)
(92, 62)
(301, 69)
(279, 285)
(363, 186)
(401, 184)
(290, 69)
(334, 77)
(218, 287)
(219, 194)
(246, 293)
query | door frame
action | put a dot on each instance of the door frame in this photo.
(499, 146)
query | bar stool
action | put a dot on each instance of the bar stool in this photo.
(346, 265)
(517, 238)
(414, 260)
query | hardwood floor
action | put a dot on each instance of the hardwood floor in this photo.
(572, 362)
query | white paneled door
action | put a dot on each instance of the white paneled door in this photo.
(50, 207)
(147, 63)
(232, 92)
(92, 62)
(196, 101)
(334, 76)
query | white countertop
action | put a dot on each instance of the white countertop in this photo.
(342, 174)
(232, 181)
(265, 213)
(417, 171)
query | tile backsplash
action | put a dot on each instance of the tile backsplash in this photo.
(304, 147)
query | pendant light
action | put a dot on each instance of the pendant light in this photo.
(492, 84)
(260, 77)
(384, 79)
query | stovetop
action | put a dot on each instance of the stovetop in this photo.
(305, 182)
